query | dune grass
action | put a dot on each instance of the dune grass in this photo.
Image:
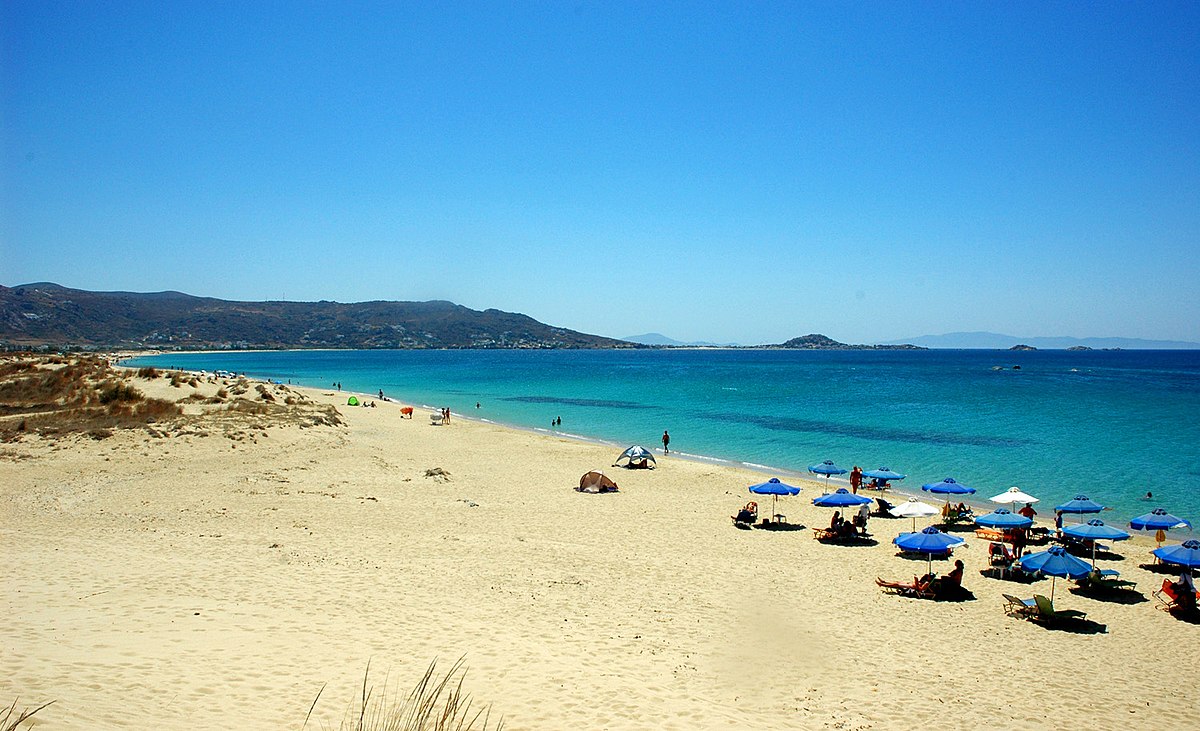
(9, 723)
(437, 703)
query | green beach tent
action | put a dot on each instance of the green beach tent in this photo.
(352, 401)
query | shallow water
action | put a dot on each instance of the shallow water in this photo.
(1109, 424)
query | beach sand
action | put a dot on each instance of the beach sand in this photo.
(220, 577)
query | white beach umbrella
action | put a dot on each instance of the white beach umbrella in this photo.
(914, 509)
(1012, 496)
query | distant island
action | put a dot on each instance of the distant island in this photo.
(1000, 341)
(1022, 346)
(821, 342)
(47, 315)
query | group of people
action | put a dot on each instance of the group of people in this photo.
(856, 526)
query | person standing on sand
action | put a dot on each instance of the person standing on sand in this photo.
(666, 442)
(855, 479)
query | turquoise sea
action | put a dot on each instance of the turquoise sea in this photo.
(1109, 424)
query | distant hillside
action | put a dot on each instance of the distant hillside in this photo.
(821, 342)
(47, 314)
(663, 340)
(998, 341)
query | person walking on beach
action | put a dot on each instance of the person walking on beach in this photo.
(666, 442)
(1019, 542)
(855, 479)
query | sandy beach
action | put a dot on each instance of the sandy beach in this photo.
(220, 572)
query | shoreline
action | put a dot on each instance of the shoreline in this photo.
(979, 504)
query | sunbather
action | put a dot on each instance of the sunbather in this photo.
(748, 514)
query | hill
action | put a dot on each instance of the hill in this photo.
(822, 342)
(50, 315)
(661, 340)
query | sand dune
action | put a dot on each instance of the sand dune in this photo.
(207, 580)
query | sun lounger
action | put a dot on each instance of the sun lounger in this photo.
(1017, 607)
(828, 535)
(993, 535)
(1047, 614)
(916, 589)
(1000, 554)
(1100, 581)
(884, 508)
(1168, 598)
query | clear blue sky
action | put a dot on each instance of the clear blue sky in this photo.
(736, 172)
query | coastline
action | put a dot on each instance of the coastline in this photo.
(895, 493)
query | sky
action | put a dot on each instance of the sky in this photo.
(731, 172)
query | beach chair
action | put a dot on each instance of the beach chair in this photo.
(1000, 555)
(915, 590)
(883, 508)
(1047, 614)
(1168, 598)
(1017, 607)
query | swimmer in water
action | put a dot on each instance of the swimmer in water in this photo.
(1149, 495)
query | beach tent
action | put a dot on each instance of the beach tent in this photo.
(637, 457)
(352, 401)
(596, 481)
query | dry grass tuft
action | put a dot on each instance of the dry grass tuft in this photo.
(437, 703)
(8, 723)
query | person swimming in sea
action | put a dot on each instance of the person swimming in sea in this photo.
(1149, 495)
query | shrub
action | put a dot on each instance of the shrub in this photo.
(119, 392)
(147, 372)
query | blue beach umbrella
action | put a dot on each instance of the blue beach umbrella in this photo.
(826, 468)
(1158, 520)
(928, 541)
(1004, 519)
(841, 498)
(1055, 562)
(1093, 531)
(774, 488)
(883, 474)
(1183, 554)
(948, 486)
(1080, 505)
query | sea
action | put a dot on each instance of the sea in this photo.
(1112, 425)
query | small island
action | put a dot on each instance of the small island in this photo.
(1022, 347)
(1078, 347)
(821, 342)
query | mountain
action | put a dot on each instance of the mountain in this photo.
(822, 342)
(663, 340)
(998, 341)
(47, 314)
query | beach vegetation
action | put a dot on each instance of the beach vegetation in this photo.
(148, 372)
(10, 723)
(438, 702)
